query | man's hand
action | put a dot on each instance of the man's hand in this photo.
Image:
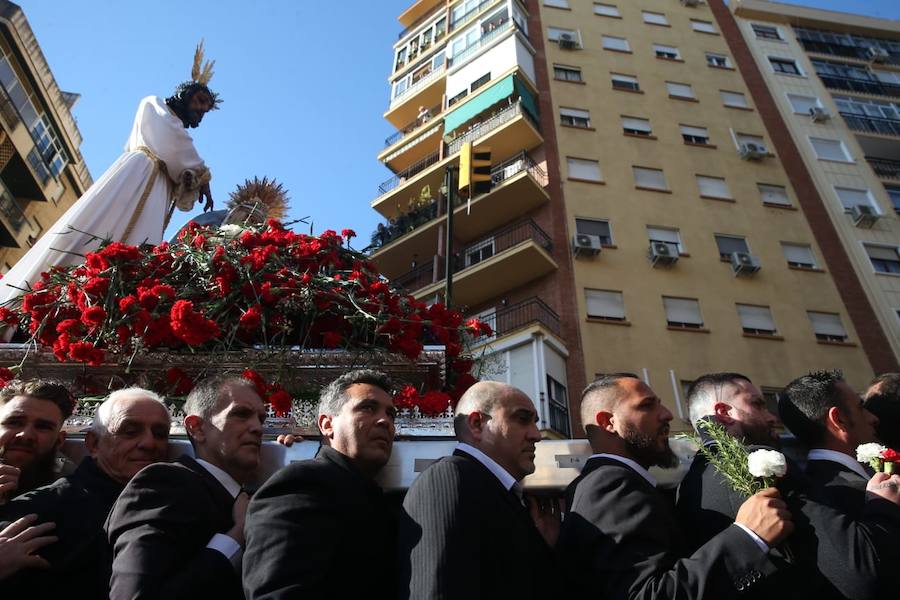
(766, 515)
(547, 516)
(18, 543)
(288, 439)
(884, 486)
(239, 515)
(205, 193)
(9, 480)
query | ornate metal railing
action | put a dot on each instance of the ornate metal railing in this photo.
(484, 127)
(872, 124)
(414, 169)
(884, 168)
(526, 312)
(392, 139)
(12, 211)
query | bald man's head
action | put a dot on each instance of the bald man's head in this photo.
(483, 397)
(602, 395)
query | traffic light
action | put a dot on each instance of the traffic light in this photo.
(474, 170)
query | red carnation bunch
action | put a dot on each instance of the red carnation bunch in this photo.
(190, 326)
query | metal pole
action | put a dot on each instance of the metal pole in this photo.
(448, 242)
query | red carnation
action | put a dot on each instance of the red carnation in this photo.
(258, 382)
(97, 262)
(126, 303)
(251, 320)
(96, 286)
(348, 233)
(93, 316)
(8, 316)
(332, 339)
(434, 403)
(890, 455)
(406, 398)
(6, 376)
(190, 326)
(72, 326)
(281, 402)
(121, 252)
(179, 381)
(86, 352)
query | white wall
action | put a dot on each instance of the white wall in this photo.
(496, 61)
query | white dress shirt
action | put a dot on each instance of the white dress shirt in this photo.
(506, 480)
(220, 542)
(840, 458)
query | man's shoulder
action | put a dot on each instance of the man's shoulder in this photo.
(42, 500)
(315, 474)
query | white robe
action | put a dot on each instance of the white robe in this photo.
(109, 206)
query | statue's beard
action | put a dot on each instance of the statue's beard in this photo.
(192, 118)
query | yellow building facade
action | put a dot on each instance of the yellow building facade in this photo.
(42, 172)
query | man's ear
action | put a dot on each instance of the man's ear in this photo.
(91, 439)
(722, 413)
(605, 421)
(60, 439)
(193, 425)
(476, 421)
(326, 426)
(836, 421)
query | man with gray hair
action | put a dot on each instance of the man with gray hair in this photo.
(177, 529)
(129, 432)
(466, 531)
(322, 528)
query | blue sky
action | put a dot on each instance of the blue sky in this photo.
(304, 87)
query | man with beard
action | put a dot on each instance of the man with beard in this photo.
(177, 529)
(883, 400)
(465, 531)
(831, 554)
(322, 528)
(32, 414)
(133, 200)
(129, 432)
(620, 537)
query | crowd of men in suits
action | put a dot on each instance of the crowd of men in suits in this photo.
(127, 524)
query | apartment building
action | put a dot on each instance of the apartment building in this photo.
(42, 172)
(833, 80)
(640, 218)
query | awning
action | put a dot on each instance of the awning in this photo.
(483, 101)
(528, 101)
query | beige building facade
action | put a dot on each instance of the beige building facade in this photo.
(42, 172)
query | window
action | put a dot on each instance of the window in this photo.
(679, 90)
(615, 43)
(667, 52)
(604, 304)
(580, 168)
(557, 3)
(718, 60)
(555, 33)
(702, 26)
(729, 244)
(851, 197)
(625, 82)
(480, 82)
(565, 73)
(802, 104)
(559, 406)
(682, 312)
(713, 187)
(733, 99)
(694, 135)
(756, 319)
(649, 178)
(893, 193)
(606, 10)
(766, 32)
(829, 149)
(665, 235)
(827, 326)
(480, 252)
(636, 126)
(798, 255)
(575, 117)
(884, 258)
(595, 227)
(785, 66)
(773, 194)
(654, 18)
(457, 97)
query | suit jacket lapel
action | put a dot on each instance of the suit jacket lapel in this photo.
(220, 495)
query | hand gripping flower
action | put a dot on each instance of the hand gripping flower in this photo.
(880, 458)
(767, 465)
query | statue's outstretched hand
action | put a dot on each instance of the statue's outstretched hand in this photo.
(205, 193)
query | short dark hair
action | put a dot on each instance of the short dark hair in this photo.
(605, 381)
(203, 400)
(885, 404)
(703, 392)
(805, 402)
(333, 396)
(42, 389)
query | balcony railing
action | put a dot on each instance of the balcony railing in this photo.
(515, 165)
(863, 86)
(8, 110)
(872, 124)
(431, 113)
(465, 19)
(484, 40)
(420, 83)
(484, 127)
(411, 171)
(856, 52)
(12, 211)
(526, 312)
(884, 168)
(478, 251)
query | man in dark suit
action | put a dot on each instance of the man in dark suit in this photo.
(177, 529)
(129, 432)
(829, 418)
(620, 537)
(831, 554)
(465, 532)
(321, 528)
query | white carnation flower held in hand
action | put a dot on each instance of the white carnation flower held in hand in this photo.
(767, 463)
(866, 453)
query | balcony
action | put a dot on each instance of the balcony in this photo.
(885, 168)
(861, 86)
(532, 311)
(14, 225)
(490, 32)
(469, 16)
(427, 89)
(506, 132)
(518, 188)
(414, 141)
(505, 260)
(415, 14)
(876, 125)
(853, 52)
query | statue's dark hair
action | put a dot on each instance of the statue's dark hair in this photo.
(179, 101)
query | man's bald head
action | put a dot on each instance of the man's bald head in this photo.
(482, 397)
(602, 395)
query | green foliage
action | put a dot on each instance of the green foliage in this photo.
(729, 457)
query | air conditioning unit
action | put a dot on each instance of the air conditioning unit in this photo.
(877, 54)
(744, 264)
(864, 216)
(567, 41)
(753, 151)
(586, 244)
(819, 115)
(663, 254)
(690, 2)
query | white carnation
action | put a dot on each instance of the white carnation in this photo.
(866, 453)
(230, 230)
(767, 463)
